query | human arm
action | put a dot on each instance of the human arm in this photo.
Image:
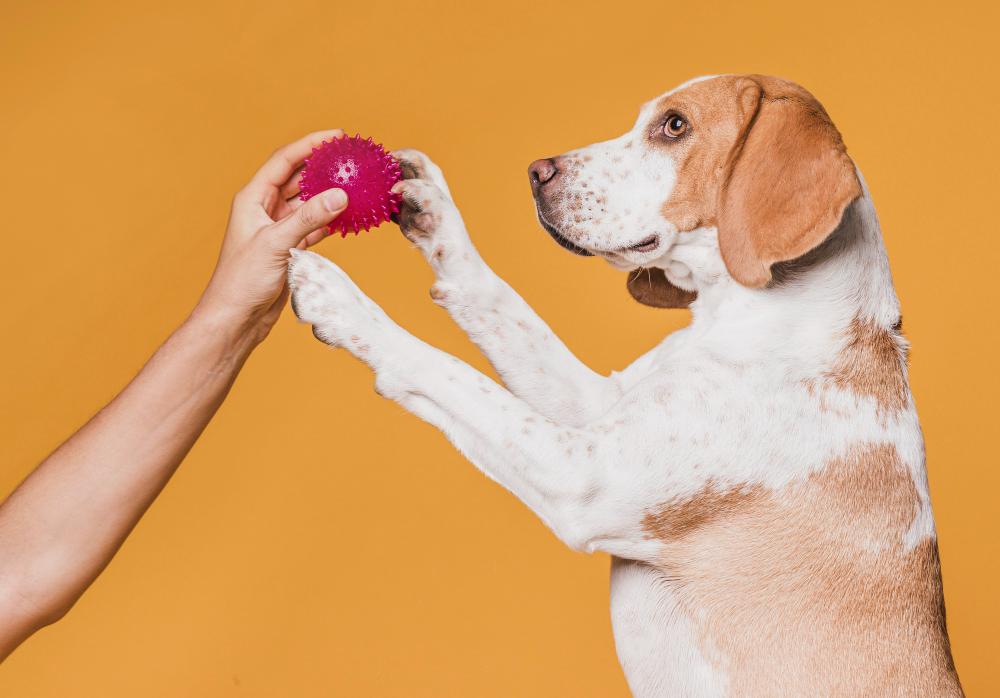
(67, 519)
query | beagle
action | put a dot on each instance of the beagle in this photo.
(758, 477)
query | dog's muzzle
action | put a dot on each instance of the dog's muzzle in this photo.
(542, 173)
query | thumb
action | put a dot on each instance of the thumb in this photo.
(312, 215)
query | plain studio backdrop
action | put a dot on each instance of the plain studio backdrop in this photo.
(318, 541)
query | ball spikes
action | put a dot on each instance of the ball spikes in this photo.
(366, 173)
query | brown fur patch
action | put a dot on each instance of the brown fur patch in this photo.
(716, 119)
(762, 162)
(678, 519)
(810, 590)
(651, 287)
(788, 181)
(871, 364)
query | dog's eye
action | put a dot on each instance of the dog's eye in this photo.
(675, 126)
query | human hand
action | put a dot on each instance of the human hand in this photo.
(248, 289)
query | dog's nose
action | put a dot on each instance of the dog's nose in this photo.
(542, 171)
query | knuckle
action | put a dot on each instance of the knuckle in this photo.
(325, 133)
(278, 152)
(310, 217)
(240, 198)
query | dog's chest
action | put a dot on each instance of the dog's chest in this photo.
(657, 642)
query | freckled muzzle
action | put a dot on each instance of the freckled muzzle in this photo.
(544, 177)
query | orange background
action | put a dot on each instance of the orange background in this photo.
(319, 541)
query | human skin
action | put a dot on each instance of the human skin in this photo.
(62, 525)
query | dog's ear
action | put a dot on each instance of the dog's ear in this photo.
(650, 287)
(786, 183)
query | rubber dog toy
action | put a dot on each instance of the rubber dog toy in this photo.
(366, 173)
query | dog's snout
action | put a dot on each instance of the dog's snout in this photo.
(542, 171)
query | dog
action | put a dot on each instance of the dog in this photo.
(759, 476)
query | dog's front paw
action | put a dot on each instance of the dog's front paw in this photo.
(429, 217)
(325, 297)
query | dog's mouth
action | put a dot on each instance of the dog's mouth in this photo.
(647, 244)
(560, 238)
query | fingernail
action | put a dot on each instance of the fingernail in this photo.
(334, 200)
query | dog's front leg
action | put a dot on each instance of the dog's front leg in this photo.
(533, 362)
(559, 471)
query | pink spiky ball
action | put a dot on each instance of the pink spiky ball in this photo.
(364, 170)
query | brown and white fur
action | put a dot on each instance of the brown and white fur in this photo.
(759, 475)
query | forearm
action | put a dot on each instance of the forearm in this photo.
(534, 363)
(65, 522)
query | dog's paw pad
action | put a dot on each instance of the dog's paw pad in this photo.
(423, 208)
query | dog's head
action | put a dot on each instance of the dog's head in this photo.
(751, 164)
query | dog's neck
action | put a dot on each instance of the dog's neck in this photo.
(805, 311)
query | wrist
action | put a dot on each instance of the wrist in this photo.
(231, 330)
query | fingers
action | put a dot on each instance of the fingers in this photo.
(312, 238)
(315, 236)
(283, 208)
(293, 187)
(309, 218)
(280, 167)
